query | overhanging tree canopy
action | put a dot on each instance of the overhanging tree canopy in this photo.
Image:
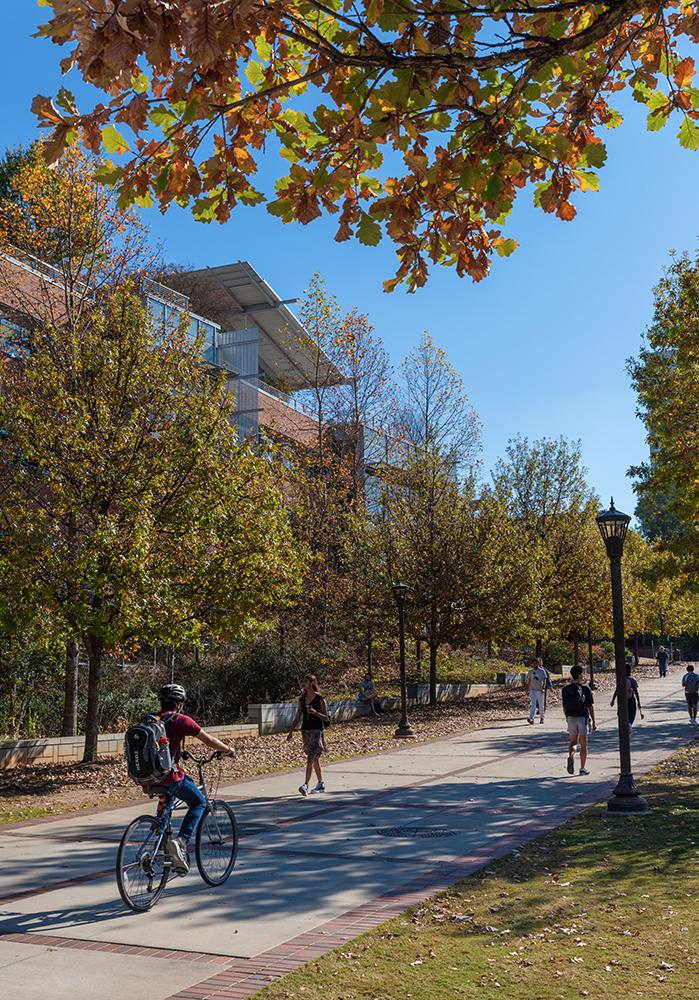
(417, 119)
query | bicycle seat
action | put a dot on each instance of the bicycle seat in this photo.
(153, 790)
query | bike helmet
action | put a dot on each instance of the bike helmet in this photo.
(173, 692)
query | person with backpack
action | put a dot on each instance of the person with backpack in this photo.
(578, 705)
(633, 696)
(313, 709)
(153, 749)
(690, 683)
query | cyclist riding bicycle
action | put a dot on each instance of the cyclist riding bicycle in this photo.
(179, 784)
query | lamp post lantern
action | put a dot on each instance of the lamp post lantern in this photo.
(404, 730)
(626, 797)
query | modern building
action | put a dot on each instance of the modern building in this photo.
(246, 331)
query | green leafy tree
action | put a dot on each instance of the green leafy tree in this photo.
(63, 218)
(666, 379)
(544, 489)
(421, 120)
(128, 509)
(430, 524)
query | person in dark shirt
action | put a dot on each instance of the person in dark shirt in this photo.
(662, 658)
(178, 783)
(314, 712)
(578, 705)
(633, 696)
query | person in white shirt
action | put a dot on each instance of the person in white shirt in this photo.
(536, 686)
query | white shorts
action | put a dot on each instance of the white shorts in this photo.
(577, 725)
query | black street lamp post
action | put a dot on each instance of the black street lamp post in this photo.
(626, 797)
(404, 730)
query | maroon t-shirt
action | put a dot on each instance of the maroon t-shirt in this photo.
(177, 727)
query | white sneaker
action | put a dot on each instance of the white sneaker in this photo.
(320, 787)
(584, 770)
(303, 789)
(177, 852)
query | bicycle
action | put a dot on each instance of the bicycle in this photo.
(143, 863)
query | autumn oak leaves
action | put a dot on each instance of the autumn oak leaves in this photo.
(418, 119)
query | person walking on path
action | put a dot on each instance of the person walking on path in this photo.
(536, 686)
(662, 658)
(578, 705)
(313, 710)
(690, 683)
(633, 696)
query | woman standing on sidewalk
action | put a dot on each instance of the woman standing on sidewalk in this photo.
(314, 712)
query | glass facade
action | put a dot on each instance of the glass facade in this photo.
(237, 352)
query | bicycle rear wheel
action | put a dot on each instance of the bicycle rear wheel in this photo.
(142, 867)
(216, 845)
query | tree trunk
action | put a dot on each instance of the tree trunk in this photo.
(635, 649)
(93, 645)
(418, 659)
(369, 653)
(576, 651)
(70, 698)
(433, 676)
(490, 650)
(539, 646)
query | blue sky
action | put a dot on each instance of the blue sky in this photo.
(541, 343)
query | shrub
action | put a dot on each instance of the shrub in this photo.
(557, 653)
(455, 669)
(31, 692)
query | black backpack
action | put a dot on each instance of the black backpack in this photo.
(574, 701)
(147, 750)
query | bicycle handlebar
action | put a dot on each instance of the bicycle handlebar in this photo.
(201, 761)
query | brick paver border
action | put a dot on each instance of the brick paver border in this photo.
(49, 941)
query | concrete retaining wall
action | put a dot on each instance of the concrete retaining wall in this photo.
(277, 718)
(65, 749)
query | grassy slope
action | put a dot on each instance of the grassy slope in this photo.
(595, 908)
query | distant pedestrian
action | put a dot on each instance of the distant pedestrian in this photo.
(313, 710)
(690, 683)
(662, 658)
(536, 686)
(370, 696)
(578, 705)
(633, 696)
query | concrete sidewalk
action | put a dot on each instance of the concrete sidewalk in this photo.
(311, 873)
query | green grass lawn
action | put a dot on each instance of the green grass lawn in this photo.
(602, 907)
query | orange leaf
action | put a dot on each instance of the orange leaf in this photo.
(684, 71)
(566, 211)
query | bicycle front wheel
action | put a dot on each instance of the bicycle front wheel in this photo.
(216, 845)
(142, 868)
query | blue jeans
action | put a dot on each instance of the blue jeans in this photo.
(191, 794)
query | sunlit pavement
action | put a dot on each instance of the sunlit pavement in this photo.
(312, 872)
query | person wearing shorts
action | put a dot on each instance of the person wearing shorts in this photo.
(578, 705)
(690, 683)
(313, 710)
